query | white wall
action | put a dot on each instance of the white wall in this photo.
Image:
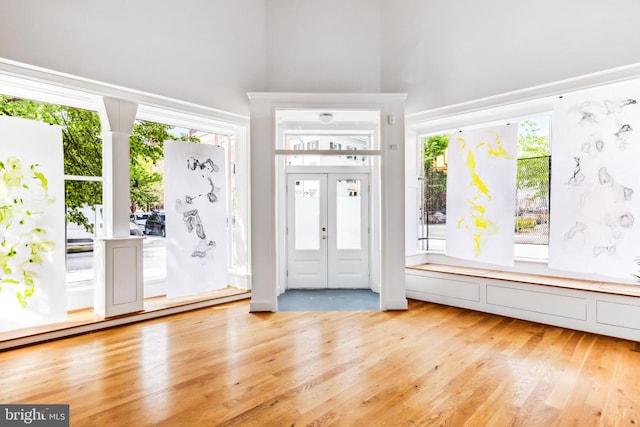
(209, 52)
(212, 52)
(323, 46)
(444, 52)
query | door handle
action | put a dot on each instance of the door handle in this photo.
(324, 228)
(324, 237)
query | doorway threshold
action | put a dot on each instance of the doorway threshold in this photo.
(329, 300)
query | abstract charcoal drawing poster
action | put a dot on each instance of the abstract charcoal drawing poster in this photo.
(481, 194)
(32, 238)
(196, 218)
(596, 182)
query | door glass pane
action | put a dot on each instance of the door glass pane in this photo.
(348, 215)
(307, 214)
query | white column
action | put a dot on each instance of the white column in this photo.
(118, 256)
(392, 289)
(263, 221)
(117, 125)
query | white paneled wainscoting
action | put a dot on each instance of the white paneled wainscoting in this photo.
(605, 308)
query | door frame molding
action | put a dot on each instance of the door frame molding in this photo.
(388, 212)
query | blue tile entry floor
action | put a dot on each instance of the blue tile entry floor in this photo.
(328, 300)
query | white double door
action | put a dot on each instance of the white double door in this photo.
(328, 230)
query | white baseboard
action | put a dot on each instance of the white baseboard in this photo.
(400, 304)
(590, 311)
(259, 306)
(109, 323)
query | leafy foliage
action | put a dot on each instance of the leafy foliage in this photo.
(435, 146)
(146, 185)
(435, 189)
(82, 142)
(530, 143)
(533, 165)
(525, 223)
(146, 151)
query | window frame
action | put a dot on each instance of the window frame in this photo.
(535, 252)
(34, 83)
(529, 101)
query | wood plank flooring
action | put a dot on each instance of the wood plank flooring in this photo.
(82, 320)
(431, 365)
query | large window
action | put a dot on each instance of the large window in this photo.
(82, 145)
(532, 184)
(531, 207)
(147, 193)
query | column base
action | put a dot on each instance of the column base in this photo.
(119, 278)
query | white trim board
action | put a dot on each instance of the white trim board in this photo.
(117, 321)
(527, 101)
(580, 309)
(45, 85)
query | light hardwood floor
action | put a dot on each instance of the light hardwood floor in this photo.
(430, 365)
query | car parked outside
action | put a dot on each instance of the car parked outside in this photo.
(155, 224)
(437, 218)
(139, 218)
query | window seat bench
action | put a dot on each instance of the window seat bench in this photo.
(600, 307)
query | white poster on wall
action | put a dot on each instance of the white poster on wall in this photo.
(595, 185)
(196, 218)
(32, 242)
(481, 186)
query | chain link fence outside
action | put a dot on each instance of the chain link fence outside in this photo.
(533, 200)
(531, 209)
